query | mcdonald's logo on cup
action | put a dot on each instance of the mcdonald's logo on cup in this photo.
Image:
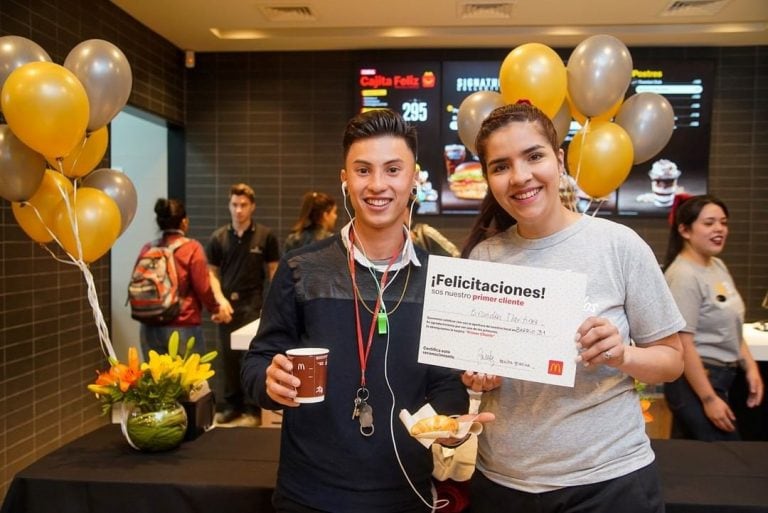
(555, 367)
(309, 365)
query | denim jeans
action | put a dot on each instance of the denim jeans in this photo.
(156, 337)
(688, 417)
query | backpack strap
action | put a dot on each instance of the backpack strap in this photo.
(177, 243)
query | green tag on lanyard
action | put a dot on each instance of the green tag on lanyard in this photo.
(382, 322)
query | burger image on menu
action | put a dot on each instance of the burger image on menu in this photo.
(467, 181)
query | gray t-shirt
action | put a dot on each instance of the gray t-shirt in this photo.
(545, 436)
(711, 306)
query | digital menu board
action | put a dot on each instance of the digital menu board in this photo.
(683, 164)
(413, 90)
(463, 186)
(429, 94)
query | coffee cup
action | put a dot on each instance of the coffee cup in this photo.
(310, 365)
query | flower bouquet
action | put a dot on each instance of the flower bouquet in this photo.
(153, 419)
(645, 401)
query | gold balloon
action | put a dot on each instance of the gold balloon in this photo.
(46, 107)
(600, 158)
(534, 72)
(608, 115)
(86, 155)
(45, 200)
(98, 224)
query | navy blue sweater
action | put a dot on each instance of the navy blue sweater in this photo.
(325, 463)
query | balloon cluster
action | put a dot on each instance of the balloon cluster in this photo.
(56, 134)
(590, 88)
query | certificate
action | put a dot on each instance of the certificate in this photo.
(509, 320)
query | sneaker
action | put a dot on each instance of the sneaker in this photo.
(227, 416)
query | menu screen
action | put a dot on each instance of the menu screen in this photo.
(463, 186)
(683, 164)
(413, 90)
(428, 94)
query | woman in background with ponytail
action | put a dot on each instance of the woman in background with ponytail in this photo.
(316, 221)
(194, 285)
(714, 313)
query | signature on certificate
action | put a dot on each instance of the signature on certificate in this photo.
(485, 355)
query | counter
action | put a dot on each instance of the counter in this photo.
(757, 340)
(240, 339)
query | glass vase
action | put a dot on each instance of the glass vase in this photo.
(153, 431)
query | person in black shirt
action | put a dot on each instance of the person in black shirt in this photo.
(242, 258)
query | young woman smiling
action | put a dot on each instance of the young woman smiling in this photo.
(556, 448)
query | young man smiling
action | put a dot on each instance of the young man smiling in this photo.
(360, 294)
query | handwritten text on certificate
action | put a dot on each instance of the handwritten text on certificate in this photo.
(512, 321)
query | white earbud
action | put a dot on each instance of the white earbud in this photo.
(344, 188)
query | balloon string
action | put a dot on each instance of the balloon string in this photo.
(93, 299)
(78, 152)
(583, 141)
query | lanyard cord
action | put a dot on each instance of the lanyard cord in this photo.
(365, 350)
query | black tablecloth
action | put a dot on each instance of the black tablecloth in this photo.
(713, 477)
(233, 470)
(222, 471)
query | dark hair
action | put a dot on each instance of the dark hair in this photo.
(493, 219)
(686, 214)
(241, 189)
(313, 206)
(379, 122)
(169, 213)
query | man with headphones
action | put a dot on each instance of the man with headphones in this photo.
(359, 293)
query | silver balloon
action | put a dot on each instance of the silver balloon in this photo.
(649, 120)
(472, 111)
(599, 72)
(21, 167)
(117, 186)
(106, 75)
(562, 122)
(15, 51)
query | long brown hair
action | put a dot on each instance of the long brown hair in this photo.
(313, 206)
(493, 219)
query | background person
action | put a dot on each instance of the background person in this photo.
(195, 288)
(316, 221)
(330, 294)
(714, 315)
(242, 258)
(556, 448)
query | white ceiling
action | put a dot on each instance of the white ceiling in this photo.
(278, 25)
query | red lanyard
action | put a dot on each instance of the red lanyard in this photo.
(365, 350)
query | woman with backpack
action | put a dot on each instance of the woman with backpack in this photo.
(170, 283)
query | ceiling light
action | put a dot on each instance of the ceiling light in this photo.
(239, 34)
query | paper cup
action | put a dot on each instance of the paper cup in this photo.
(309, 365)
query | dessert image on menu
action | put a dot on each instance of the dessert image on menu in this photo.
(663, 175)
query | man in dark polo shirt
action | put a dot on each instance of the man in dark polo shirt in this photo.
(242, 257)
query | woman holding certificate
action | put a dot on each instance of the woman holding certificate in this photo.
(555, 448)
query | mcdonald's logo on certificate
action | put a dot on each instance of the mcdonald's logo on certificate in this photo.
(509, 320)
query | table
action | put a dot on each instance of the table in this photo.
(756, 339)
(233, 470)
(240, 339)
(226, 470)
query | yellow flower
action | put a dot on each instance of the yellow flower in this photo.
(163, 379)
(161, 366)
(195, 372)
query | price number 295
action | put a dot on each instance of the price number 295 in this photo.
(415, 111)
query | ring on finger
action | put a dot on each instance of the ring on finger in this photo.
(607, 355)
